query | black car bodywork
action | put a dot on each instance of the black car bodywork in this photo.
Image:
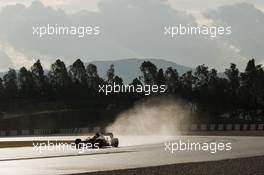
(98, 141)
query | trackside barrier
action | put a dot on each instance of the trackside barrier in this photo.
(2, 133)
(87, 130)
(252, 127)
(13, 133)
(184, 127)
(220, 127)
(36, 132)
(245, 127)
(212, 127)
(237, 127)
(260, 127)
(97, 129)
(25, 132)
(229, 127)
(84, 130)
(194, 127)
(203, 127)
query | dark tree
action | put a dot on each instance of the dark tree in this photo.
(112, 78)
(41, 82)
(91, 70)
(93, 79)
(78, 77)
(118, 80)
(110, 74)
(136, 82)
(248, 84)
(252, 88)
(232, 90)
(201, 78)
(233, 77)
(26, 83)
(216, 94)
(77, 72)
(160, 77)
(172, 80)
(200, 88)
(1, 89)
(59, 79)
(212, 78)
(10, 83)
(187, 81)
(149, 71)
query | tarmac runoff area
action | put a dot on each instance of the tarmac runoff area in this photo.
(136, 155)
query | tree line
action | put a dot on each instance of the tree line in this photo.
(237, 94)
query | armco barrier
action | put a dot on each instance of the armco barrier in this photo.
(229, 127)
(87, 130)
(184, 127)
(194, 127)
(13, 133)
(96, 129)
(212, 127)
(252, 127)
(203, 127)
(25, 132)
(260, 127)
(2, 133)
(220, 127)
(245, 126)
(237, 127)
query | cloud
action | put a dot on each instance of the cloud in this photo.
(129, 28)
(67, 5)
(247, 28)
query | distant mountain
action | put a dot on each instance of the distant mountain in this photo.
(129, 69)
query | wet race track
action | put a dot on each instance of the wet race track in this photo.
(134, 152)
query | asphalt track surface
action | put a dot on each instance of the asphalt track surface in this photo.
(134, 152)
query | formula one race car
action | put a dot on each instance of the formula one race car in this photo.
(98, 141)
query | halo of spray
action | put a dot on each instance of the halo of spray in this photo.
(152, 116)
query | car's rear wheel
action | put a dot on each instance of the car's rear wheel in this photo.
(100, 143)
(115, 142)
(78, 143)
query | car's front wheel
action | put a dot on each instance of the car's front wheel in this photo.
(115, 142)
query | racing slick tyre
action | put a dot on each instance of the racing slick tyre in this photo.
(78, 143)
(114, 142)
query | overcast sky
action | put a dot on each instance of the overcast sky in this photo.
(132, 28)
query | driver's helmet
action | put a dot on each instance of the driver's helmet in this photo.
(97, 134)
